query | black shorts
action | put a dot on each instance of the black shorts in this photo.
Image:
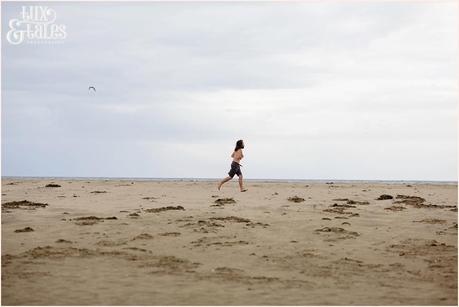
(235, 170)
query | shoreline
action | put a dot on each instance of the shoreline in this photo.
(255, 180)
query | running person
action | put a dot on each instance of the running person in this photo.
(235, 166)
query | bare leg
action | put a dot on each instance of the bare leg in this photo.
(241, 185)
(223, 181)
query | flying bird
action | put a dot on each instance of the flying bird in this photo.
(92, 87)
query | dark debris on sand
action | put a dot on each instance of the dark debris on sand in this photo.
(356, 202)
(23, 204)
(63, 241)
(338, 230)
(296, 199)
(52, 185)
(157, 210)
(341, 209)
(86, 222)
(231, 219)
(352, 202)
(203, 226)
(169, 234)
(224, 201)
(431, 221)
(384, 197)
(395, 208)
(332, 229)
(409, 199)
(91, 220)
(92, 217)
(143, 236)
(342, 206)
(419, 202)
(26, 229)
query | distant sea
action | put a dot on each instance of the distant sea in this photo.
(330, 181)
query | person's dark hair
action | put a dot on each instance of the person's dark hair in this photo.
(239, 145)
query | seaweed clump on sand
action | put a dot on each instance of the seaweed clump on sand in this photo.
(352, 202)
(343, 233)
(224, 201)
(409, 200)
(23, 204)
(384, 197)
(356, 202)
(296, 199)
(26, 229)
(235, 219)
(419, 202)
(91, 220)
(395, 208)
(52, 185)
(92, 217)
(157, 210)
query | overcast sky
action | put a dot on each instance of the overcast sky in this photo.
(318, 90)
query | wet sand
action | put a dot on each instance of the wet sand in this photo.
(185, 243)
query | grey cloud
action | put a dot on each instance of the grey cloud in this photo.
(192, 78)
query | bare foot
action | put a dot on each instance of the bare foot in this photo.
(244, 190)
(219, 186)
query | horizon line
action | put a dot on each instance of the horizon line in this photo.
(218, 178)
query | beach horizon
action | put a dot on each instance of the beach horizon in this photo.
(207, 179)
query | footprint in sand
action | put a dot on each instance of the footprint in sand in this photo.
(337, 233)
(143, 236)
(231, 219)
(216, 241)
(227, 271)
(395, 208)
(91, 220)
(110, 243)
(431, 221)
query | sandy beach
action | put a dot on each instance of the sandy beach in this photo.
(122, 242)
